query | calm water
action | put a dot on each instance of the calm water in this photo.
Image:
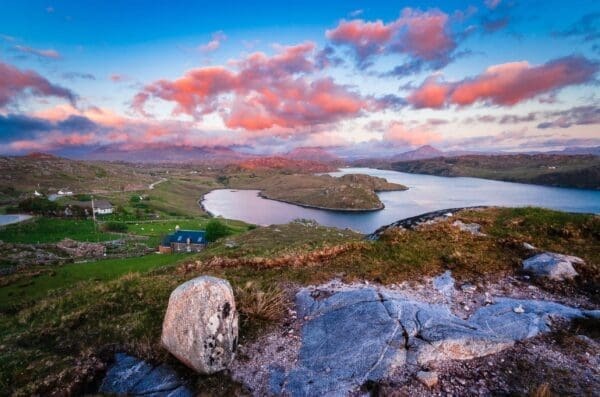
(8, 219)
(426, 193)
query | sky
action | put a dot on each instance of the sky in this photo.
(359, 78)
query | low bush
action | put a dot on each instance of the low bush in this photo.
(113, 226)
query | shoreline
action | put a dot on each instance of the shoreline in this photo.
(413, 221)
(260, 194)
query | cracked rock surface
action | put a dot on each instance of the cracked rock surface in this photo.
(364, 334)
(134, 377)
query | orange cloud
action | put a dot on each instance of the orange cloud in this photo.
(506, 84)
(260, 93)
(398, 132)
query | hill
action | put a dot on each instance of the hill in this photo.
(581, 171)
(286, 164)
(312, 154)
(423, 152)
(48, 174)
(156, 153)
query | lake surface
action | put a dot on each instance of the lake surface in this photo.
(8, 219)
(426, 193)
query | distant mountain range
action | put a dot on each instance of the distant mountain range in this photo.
(312, 154)
(169, 153)
(595, 150)
(155, 153)
(423, 152)
(287, 164)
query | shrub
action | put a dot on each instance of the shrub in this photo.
(215, 229)
(113, 226)
(254, 303)
(39, 205)
(83, 197)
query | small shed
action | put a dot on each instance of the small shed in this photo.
(184, 241)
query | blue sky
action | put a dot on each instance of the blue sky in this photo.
(343, 95)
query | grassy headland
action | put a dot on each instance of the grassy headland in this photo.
(346, 193)
(553, 170)
(59, 338)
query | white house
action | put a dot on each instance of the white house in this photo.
(65, 192)
(103, 207)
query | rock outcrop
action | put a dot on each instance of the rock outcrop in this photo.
(359, 335)
(552, 265)
(79, 249)
(473, 228)
(200, 327)
(134, 377)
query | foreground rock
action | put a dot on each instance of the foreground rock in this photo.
(473, 228)
(428, 378)
(134, 377)
(79, 249)
(553, 266)
(200, 327)
(361, 335)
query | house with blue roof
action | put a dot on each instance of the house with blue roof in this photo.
(184, 241)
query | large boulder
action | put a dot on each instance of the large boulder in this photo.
(201, 324)
(553, 266)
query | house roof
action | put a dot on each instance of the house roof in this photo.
(181, 236)
(98, 204)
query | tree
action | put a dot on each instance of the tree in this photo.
(215, 229)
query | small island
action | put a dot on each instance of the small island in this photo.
(351, 192)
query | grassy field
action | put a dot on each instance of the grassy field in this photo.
(51, 230)
(49, 174)
(156, 230)
(56, 279)
(553, 170)
(57, 340)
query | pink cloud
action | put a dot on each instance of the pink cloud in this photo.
(50, 53)
(506, 84)
(117, 78)
(425, 36)
(15, 83)
(215, 43)
(260, 92)
(492, 4)
(399, 133)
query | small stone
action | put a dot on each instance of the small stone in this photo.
(552, 265)
(528, 246)
(468, 288)
(488, 300)
(428, 378)
(519, 309)
(466, 308)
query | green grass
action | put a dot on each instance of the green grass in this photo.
(156, 230)
(54, 338)
(350, 192)
(553, 170)
(19, 293)
(279, 240)
(51, 230)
